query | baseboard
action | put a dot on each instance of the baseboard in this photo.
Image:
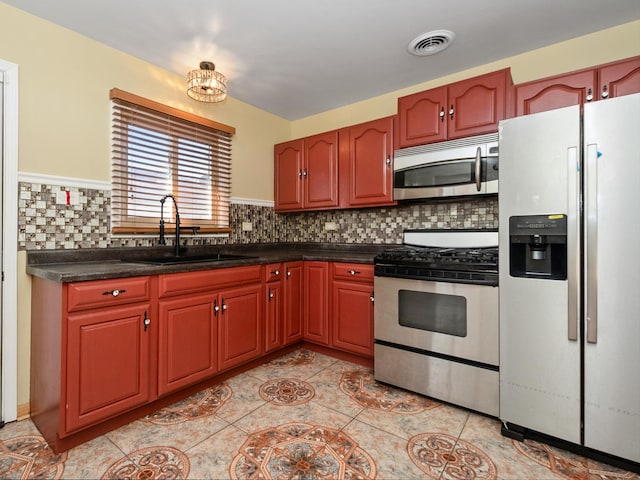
(24, 411)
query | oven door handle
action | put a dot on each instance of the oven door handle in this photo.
(478, 166)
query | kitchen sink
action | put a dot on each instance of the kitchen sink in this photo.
(216, 257)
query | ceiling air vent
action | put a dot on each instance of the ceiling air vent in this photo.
(430, 43)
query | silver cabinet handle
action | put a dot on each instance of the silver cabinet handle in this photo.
(275, 272)
(451, 112)
(605, 92)
(372, 298)
(354, 272)
(224, 306)
(589, 96)
(300, 173)
(388, 162)
(442, 114)
(288, 273)
(216, 308)
(304, 174)
(146, 322)
(591, 210)
(113, 293)
(478, 166)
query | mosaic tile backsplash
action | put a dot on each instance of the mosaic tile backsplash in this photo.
(44, 224)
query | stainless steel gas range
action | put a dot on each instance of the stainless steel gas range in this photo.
(436, 316)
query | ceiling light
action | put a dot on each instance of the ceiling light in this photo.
(206, 85)
(430, 43)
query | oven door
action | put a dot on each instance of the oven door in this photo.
(450, 320)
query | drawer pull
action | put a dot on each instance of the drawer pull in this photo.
(146, 321)
(114, 293)
(275, 272)
(354, 272)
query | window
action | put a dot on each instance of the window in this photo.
(158, 150)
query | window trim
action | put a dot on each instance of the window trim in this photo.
(117, 94)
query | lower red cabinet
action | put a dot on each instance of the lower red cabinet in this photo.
(352, 308)
(107, 363)
(316, 302)
(187, 341)
(239, 325)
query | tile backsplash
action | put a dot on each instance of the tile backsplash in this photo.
(44, 224)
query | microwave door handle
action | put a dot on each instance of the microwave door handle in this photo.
(478, 166)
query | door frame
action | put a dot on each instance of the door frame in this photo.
(9, 393)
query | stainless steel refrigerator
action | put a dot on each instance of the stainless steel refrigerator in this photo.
(569, 212)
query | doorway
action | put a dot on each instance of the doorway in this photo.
(8, 241)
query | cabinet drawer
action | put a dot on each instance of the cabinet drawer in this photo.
(104, 293)
(206, 280)
(273, 272)
(359, 272)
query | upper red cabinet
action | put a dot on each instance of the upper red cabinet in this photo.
(371, 163)
(575, 88)
(469, 107)
(306, 173)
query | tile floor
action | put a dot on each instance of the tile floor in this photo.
(301, 416)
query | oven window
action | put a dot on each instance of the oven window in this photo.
(434, 312)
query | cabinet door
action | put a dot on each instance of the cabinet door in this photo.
(316, 302)
(371, 163)
(422, 117)
(320, 176)
(107, 363)
(273, 322)
(475, 106)
(620, 78)
(555, 92)
(188, 337)
(239, 329)
(288, 170)
(352, 317)
(293, 302)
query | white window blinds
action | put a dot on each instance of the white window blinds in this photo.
(157, 150)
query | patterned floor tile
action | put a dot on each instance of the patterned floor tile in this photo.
(151, 463)
(328, 394)
(388, 451)
(300, 364)
(246, 398)
(301, 450)
(286, 391)
(92, 459)
(29, 456)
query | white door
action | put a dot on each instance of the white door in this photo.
(612, 213)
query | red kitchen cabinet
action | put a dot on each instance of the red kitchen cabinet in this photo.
(465, 108)
(352, 308)
(288, 169)
(306, 173)
(107, 363)
(273, 307)
(188, 341)
(316, 302)
(371, 163)
(575, 88)
(90, 352)
(239, 325)
(293, 312)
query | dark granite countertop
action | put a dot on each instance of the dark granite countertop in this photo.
(103, 263)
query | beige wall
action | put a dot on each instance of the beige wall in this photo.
(64, 111)
(601, 47)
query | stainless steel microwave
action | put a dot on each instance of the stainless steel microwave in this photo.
(455, 168)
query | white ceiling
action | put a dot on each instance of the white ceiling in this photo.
(296, 58)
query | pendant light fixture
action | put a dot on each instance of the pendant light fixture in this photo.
(206, 85)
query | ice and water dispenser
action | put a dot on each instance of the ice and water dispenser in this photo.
(538, 246)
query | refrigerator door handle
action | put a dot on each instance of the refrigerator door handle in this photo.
(478, 171)
(591, 242)
(573, 229)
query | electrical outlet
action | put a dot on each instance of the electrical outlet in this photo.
(330, 226)
(247, 226)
